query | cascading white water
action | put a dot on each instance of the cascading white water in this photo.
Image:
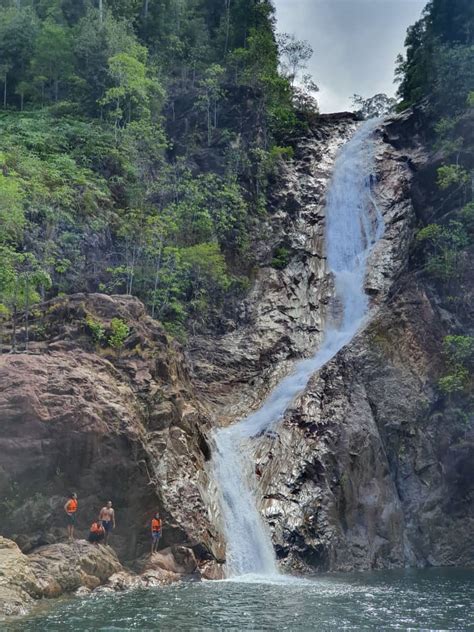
(353, 225)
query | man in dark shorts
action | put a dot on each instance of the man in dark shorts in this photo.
(107, 517)
(156, 527)
(71, 512)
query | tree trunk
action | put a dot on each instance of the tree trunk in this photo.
(5, 92)
(101, 11)
(208, 122)
(145, 9)
(27, 313)
(157, 276)
(14, 331)
(227, 28)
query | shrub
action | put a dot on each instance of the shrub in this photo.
(96, 329)
(281, 258)
(119, 332)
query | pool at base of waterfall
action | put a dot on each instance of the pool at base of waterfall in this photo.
(413, 599)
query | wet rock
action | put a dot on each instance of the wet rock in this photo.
(82, 591)
(370, 468)
(123, 581)
(176, 559)
(62, 568)
(17, 584)
(159, 577)
(51, 571)
(212, 570)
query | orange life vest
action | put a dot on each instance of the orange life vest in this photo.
(97, 527)
(156, 525)
(71, 507)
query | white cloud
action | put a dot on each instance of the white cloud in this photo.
(355, 43)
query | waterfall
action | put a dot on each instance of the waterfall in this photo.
(353, 225)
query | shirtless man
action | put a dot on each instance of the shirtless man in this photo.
(107, 517)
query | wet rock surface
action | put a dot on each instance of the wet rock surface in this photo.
(365, 471)
(51, 571)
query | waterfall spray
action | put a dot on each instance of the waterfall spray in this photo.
(353, 225)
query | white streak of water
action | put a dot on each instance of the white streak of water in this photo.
(353, 225)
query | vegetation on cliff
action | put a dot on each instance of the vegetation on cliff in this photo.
(439, 68)
(138, 139)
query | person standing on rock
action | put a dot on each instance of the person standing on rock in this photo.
(71, 511)
(156, 526)
(107, 517)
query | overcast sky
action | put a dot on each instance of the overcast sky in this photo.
(355, 43)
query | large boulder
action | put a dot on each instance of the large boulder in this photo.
(78, 415)
(17, 583)
(176, 559)
(51, 571)
(62, 568)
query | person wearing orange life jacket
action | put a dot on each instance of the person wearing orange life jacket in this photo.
(156, 527)
(96, 533)
(71, 511)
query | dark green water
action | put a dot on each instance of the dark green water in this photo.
(440, 599)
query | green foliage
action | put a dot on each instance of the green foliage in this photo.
(137, 147)
(439, 57)
(467, 216)
(445, 248)
(96, 329)
(454, 382)
(12, 216)
(119, 331)
(281, 257)
(459, 353)
(459, 350)
(449, 175)
(378, 105)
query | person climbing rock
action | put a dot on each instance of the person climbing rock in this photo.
(71, 511)
(156, 527)
(107, 517)
(96, 533)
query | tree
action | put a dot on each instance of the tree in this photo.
(439, 57)
(303, 95)
(445, 249)
(18, 31)
(133, 92)
(374, 107)
(294, 55)
(12, 217)
(52, 62)
(210, 88)
(20, 278)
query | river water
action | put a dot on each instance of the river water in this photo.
(431, 599)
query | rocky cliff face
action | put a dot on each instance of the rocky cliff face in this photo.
(370, 468)
(124, 425)
(283, 315)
